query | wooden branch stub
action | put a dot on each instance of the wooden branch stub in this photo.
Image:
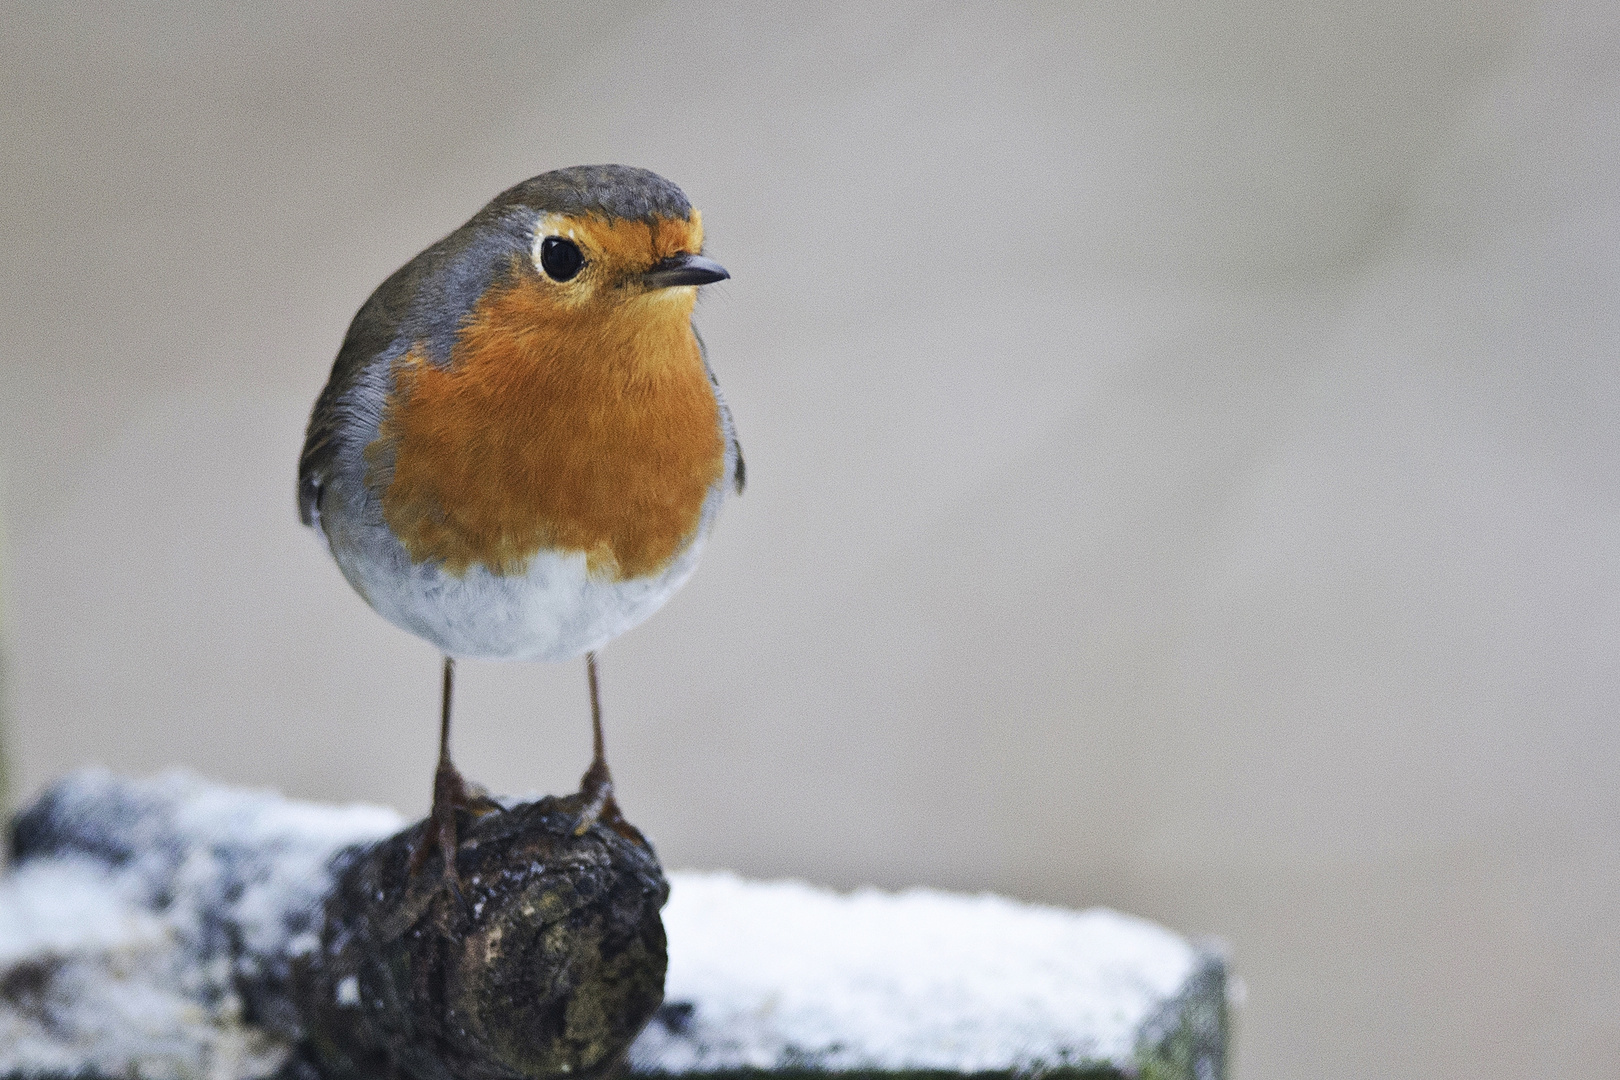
(550, 967)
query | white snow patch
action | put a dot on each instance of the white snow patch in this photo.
(117, 967)
(782, 973)
(95, 982)
(68, 906)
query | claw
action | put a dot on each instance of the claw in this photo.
(596, 788)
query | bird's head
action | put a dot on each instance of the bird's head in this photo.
(599, 262)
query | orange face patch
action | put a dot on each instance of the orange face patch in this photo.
(576, 419)
(616, 250)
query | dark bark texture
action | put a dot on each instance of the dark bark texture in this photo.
(548, 965)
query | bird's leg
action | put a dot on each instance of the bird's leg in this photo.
(449, 795)
(596, 786)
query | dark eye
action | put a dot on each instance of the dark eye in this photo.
(560, 259)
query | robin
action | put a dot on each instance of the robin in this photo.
(521, 448)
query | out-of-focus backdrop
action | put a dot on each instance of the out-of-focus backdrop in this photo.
(1183, 446)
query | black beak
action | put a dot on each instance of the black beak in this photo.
(683, 270)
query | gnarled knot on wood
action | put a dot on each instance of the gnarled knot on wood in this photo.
(548, 965)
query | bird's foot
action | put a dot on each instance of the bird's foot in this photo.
(596, 792)
(452, 794)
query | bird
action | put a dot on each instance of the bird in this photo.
(522, 448)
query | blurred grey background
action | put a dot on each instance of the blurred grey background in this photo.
(1182, 442)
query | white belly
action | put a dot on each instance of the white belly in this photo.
(554, 611)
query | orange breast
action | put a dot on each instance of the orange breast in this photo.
(577, 430)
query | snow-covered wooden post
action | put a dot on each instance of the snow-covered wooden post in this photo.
(301, 925)
(172, 929)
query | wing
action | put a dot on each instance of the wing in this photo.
(343, 404)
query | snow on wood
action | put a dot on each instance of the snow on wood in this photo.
(134, 939)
